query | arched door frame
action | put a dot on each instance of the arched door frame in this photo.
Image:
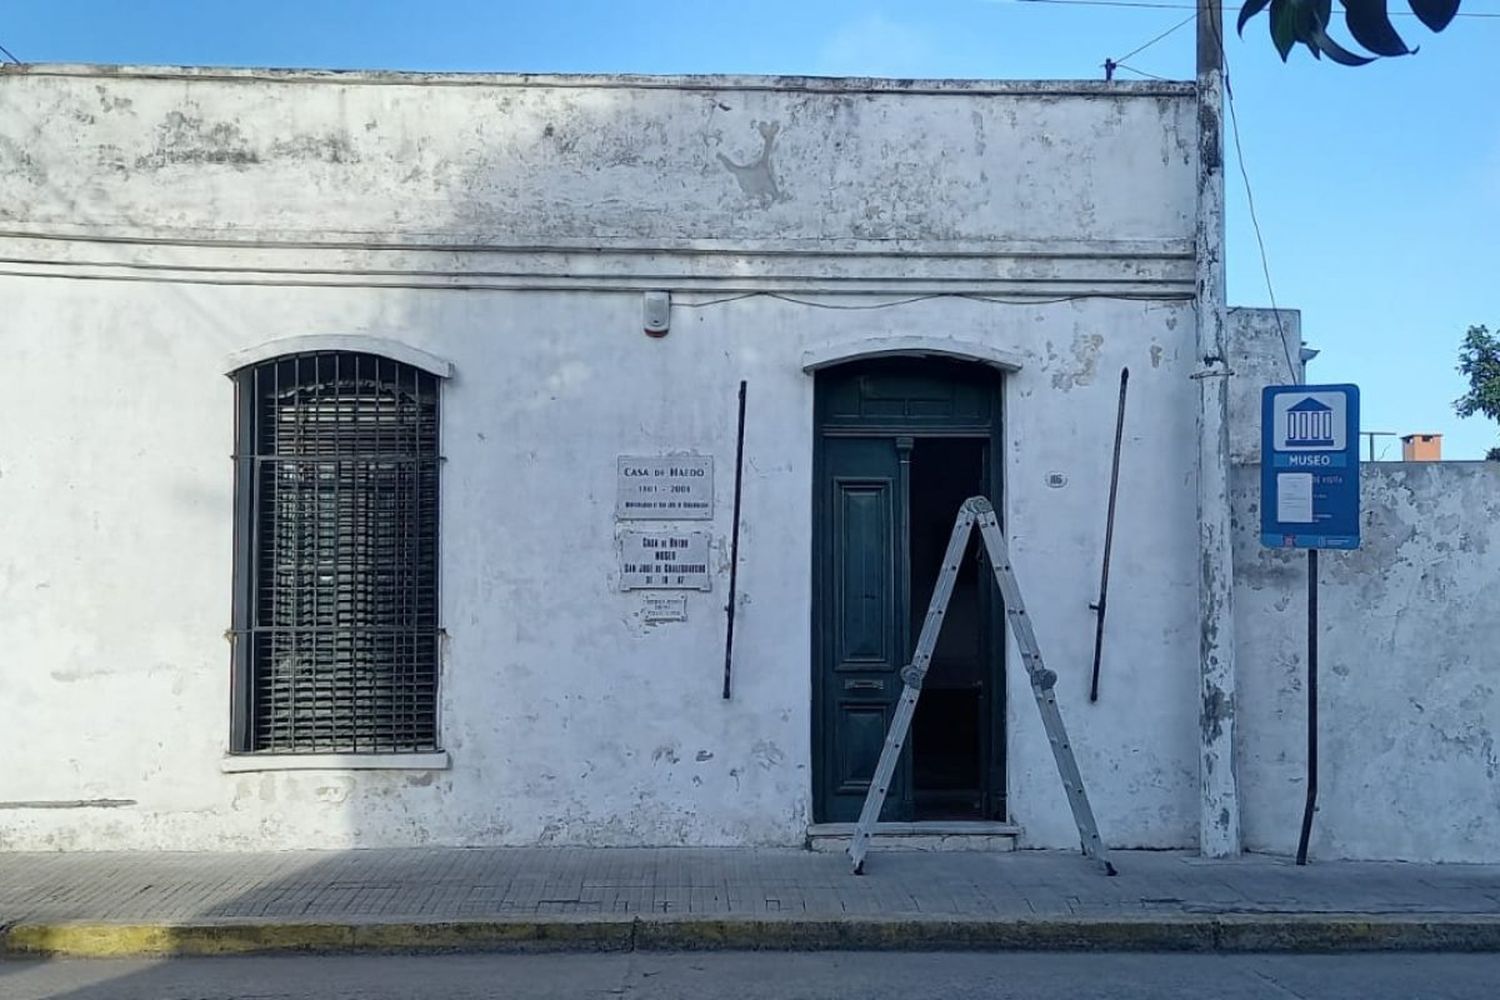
(928, 355)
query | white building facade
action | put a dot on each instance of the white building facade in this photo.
(348, 500)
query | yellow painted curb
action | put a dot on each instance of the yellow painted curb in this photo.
(109, 940)
(1181, 932)
(130, 940)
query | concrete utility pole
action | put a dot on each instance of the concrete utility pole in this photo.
(1219, 802)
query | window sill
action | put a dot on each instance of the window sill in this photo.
(237, 763)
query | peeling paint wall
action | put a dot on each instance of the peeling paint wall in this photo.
(1407, 648)
(1408, 679)
(594, 158)
(161, 220)
(1264, 347)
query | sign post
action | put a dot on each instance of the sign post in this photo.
(1309, 499)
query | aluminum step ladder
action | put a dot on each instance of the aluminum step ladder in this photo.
(978, 510)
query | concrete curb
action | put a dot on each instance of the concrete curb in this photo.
(1200, 933)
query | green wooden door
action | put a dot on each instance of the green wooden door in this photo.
(864, 621)
(879, 425)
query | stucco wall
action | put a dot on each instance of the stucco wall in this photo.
(1407, 648)
(1407, 680)
(1265, 348)
(595, 158)
(567, 719)
(164, 220)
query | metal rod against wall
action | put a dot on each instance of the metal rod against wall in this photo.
(1312, 705)
(1109, 537)
(734, 545)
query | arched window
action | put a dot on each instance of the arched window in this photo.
(336, 555)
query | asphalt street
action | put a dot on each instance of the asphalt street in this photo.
(763, 974)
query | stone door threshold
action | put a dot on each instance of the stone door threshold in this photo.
(938, 835)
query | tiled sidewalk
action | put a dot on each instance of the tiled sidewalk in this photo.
(431, 884)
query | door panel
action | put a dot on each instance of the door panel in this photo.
(862, 726)
(892, 392)
(862, 621)
(864, 574)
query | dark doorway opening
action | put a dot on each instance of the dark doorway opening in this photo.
(948, 734)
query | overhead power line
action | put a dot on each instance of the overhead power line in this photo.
(7, 53)
(1142, 48)
(1110, 65)
(1143, 73)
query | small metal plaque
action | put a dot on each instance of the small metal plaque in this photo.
(666, 560)
(665, 488)
(664, 608)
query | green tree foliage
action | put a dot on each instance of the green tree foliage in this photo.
(1479, 362)
(1368, 21)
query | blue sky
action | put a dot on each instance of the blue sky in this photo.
(1378, 189)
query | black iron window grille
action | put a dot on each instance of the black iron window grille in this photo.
(336, 556)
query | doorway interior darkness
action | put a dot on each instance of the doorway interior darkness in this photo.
(901, 444)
